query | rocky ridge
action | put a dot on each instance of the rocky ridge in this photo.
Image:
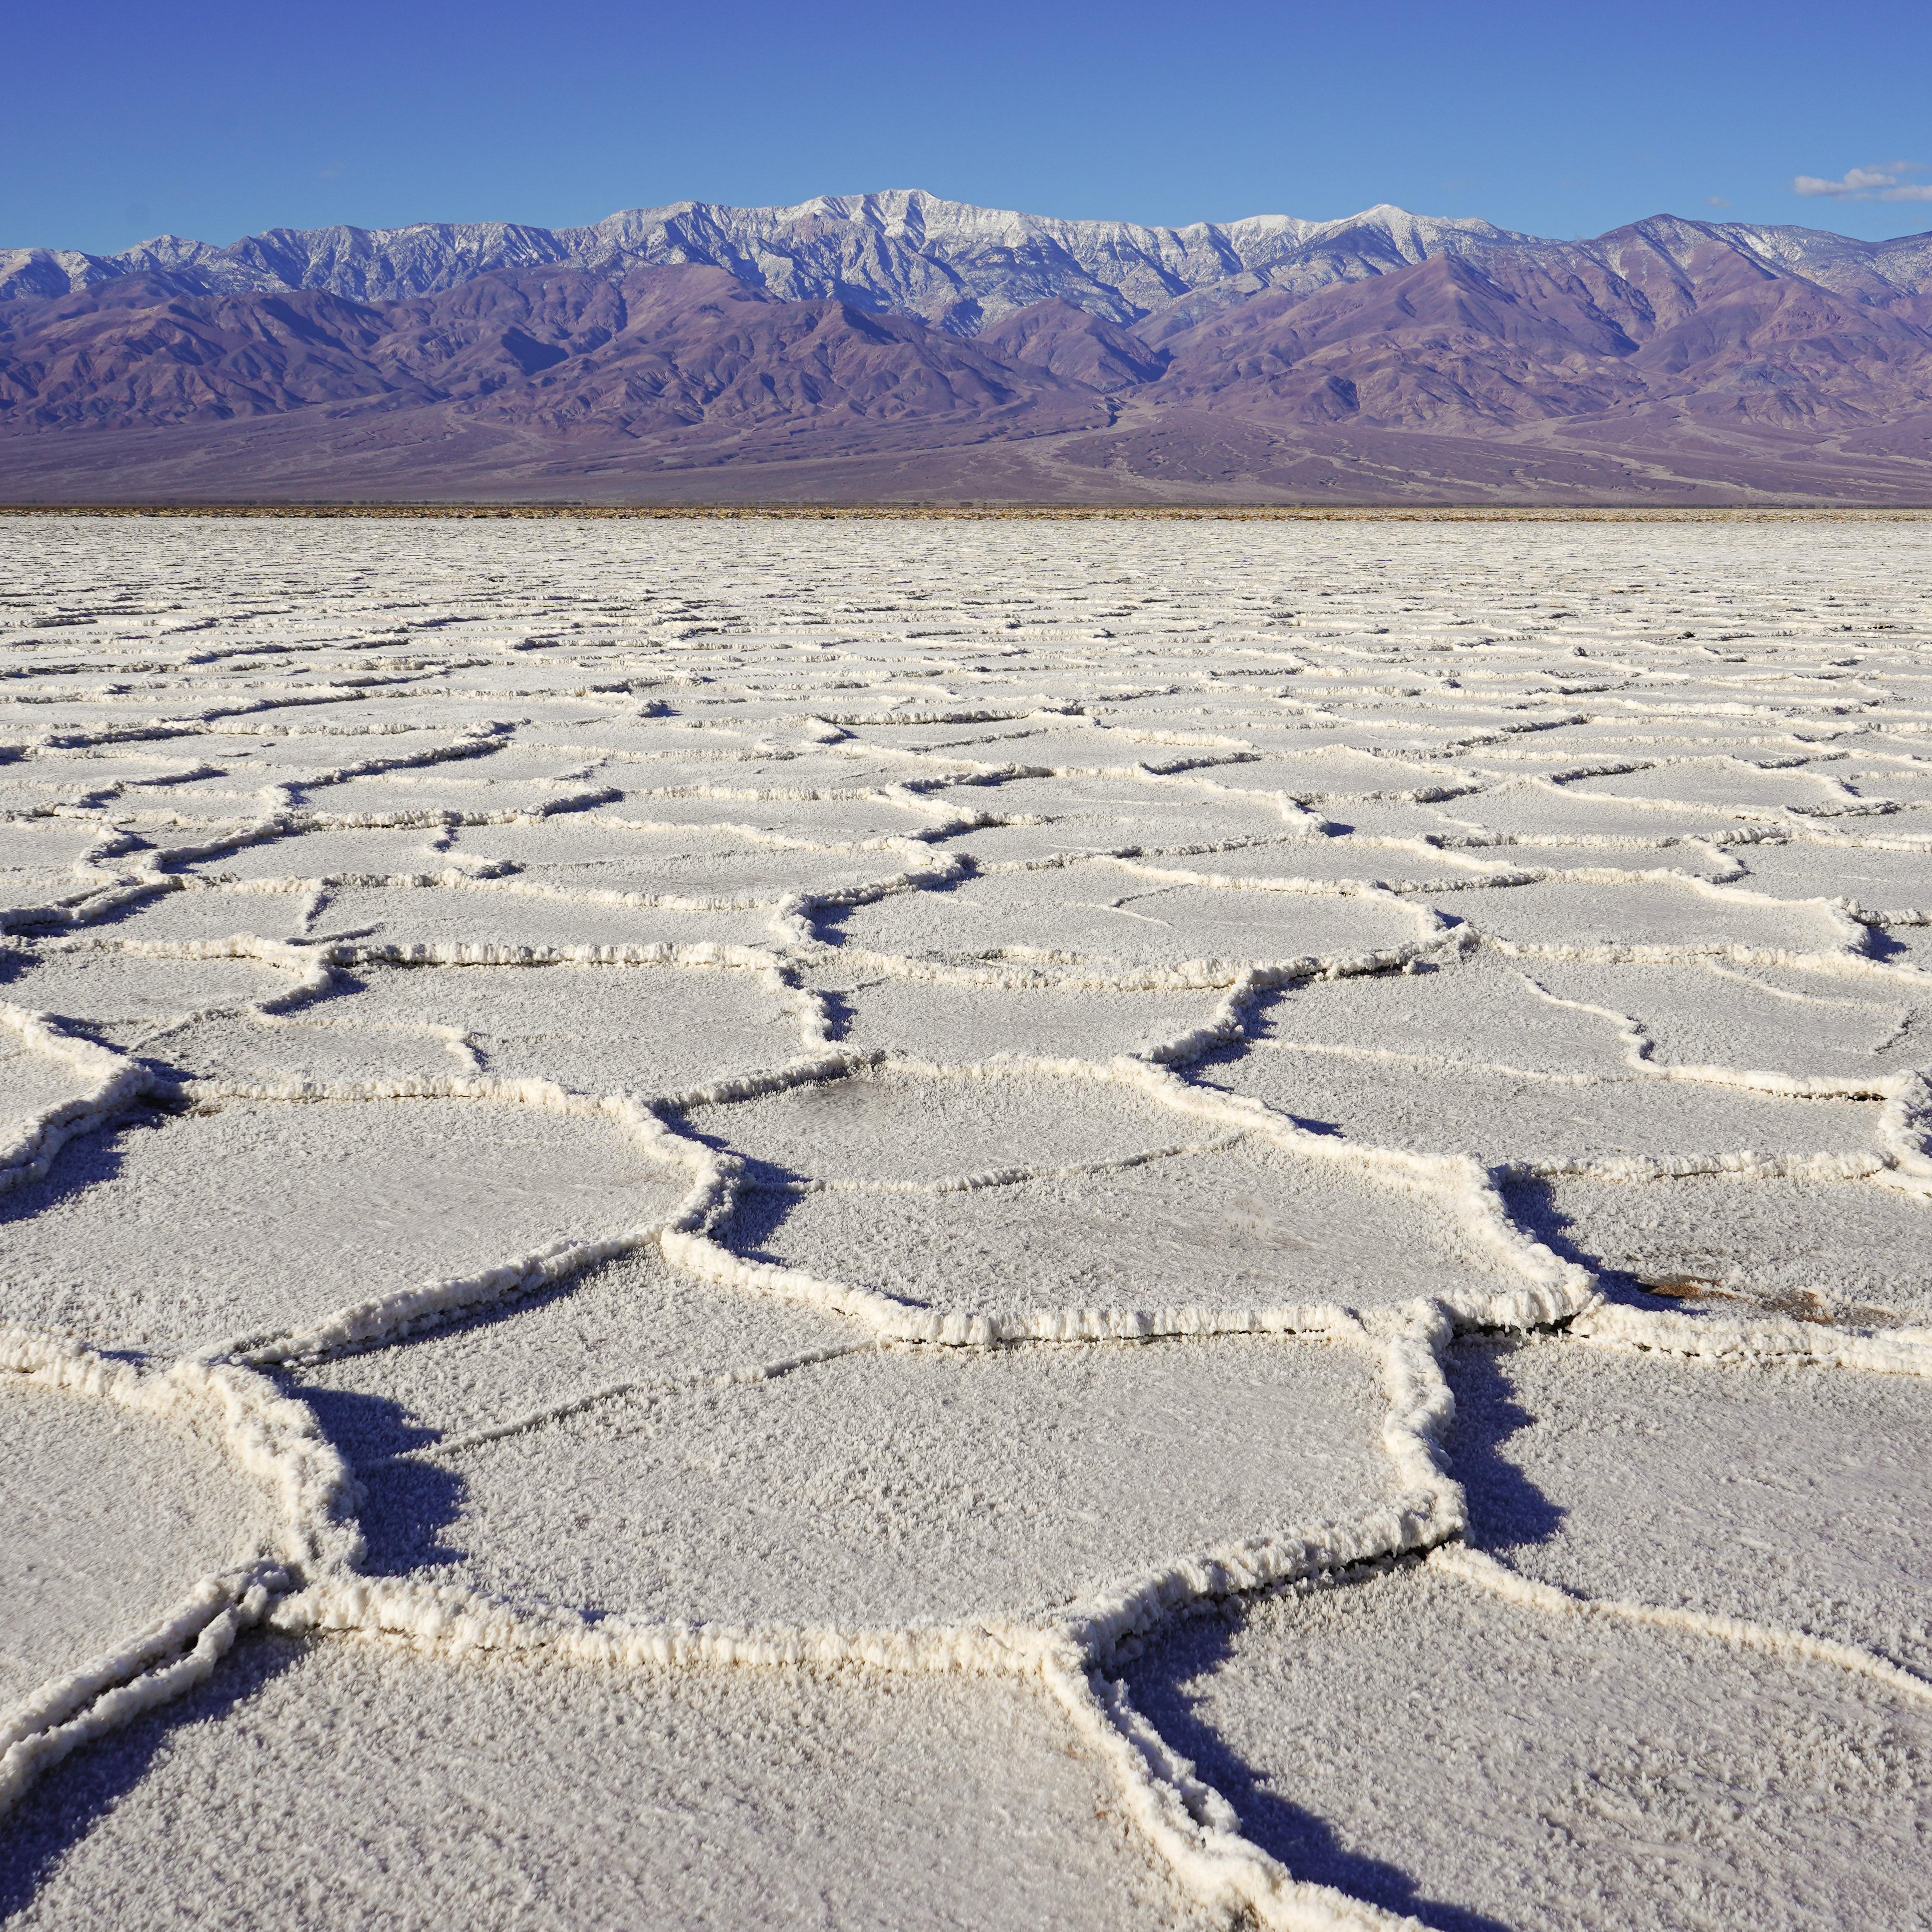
(952, 264)
(909, 346)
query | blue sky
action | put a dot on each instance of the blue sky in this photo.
(213, 120)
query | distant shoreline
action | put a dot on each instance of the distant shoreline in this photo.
(1323, 513)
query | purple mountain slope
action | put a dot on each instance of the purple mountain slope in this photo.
(896, 346)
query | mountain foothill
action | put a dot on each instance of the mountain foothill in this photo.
(901, 347)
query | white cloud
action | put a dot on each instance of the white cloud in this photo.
(1877, 181)
(1715, 201)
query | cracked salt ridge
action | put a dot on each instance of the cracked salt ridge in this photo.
(1181, 1817)
(330, 1235)
(1466, 1760)
(920, 1486)
(116, 1513)
(748, 1798)
(1607, 1473)
(290, 1490)
(647, 1030)
(1726, 1233)
(753, 1226)
(1095, 909)
(57, 1085)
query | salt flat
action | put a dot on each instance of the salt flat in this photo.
(966, 1224)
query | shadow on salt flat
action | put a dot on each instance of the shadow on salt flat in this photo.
(1850, 1251)
(1441, 1752)
(1797, 1496)
(320, 1205)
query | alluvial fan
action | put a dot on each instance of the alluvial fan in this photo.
(933, 1225)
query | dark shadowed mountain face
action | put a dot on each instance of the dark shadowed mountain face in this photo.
(655, 352)
(1381, 358)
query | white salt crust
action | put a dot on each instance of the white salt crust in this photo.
(750, 1799)
(1460, 1748)
(938, 1208)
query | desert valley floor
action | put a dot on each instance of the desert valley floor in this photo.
(958, 1224)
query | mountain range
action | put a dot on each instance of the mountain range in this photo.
(898, 346)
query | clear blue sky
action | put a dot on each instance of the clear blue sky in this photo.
(213, 120)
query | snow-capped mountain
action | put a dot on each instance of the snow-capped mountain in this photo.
(952, 264)
(899, 344)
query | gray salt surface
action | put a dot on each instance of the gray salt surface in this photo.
(1793, 1496)
(1500, 1117)
(325, 1203)
(1859, 1250)
(1880, 880)
(109, 1518)
(111, 991)
(631, 1321)
(1104, 913)
(1421, 1744)
(359, 1785)
(1760, 1017)
(1482, 1010)
(30, 1083)
(1250, 1226)
(915, 1485)
(474, 916)
(734, 710)
(892, 1126)
(273, 1050)
(1567, 913)
(960, 1025)
(407, 851)
(652, 1030)
(191, 914)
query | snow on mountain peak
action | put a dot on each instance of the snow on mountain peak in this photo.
(953, 262)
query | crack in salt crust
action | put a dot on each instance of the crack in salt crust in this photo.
(993, 761)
